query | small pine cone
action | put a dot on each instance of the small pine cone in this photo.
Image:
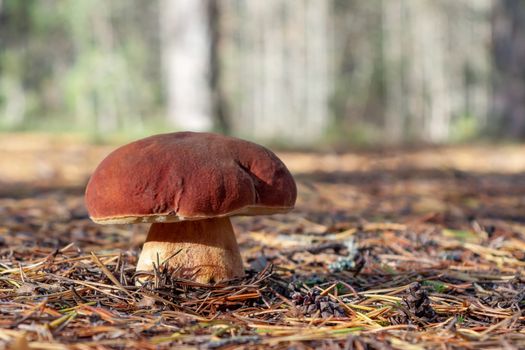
(312, 303)
(418, 303)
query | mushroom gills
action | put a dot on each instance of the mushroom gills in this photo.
(207, 250)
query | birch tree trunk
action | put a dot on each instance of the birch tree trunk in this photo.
(186, 39)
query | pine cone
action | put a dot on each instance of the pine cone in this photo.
(312, 302)
(418, 303)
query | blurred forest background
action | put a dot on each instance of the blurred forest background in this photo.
(301, 72)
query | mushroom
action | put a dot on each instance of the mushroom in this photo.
(188, 185)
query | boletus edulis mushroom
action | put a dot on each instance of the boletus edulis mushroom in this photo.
(187, 185)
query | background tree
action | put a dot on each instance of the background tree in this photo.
(186, 52)
(300, 72)
(508, 48)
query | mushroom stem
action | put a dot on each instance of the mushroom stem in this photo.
(208, 250)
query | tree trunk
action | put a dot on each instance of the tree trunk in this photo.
(186, 56)
(508, 24)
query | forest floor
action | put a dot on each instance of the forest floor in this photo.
(397, 249)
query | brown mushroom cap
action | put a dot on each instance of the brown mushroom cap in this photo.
(188, 176)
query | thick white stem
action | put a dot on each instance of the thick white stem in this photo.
(208, 250)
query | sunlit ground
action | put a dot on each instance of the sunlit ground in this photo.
(439, 238)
